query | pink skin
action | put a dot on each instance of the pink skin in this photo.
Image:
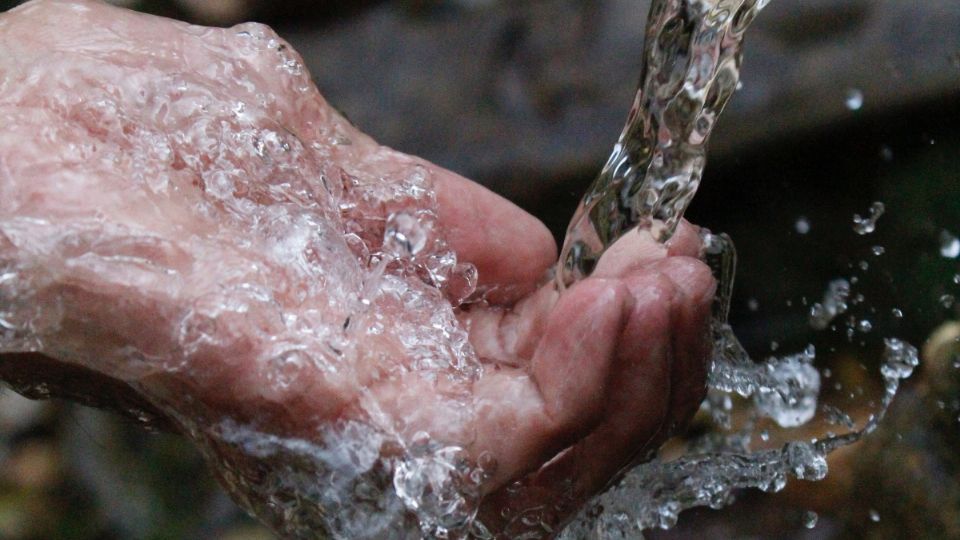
(576, 385)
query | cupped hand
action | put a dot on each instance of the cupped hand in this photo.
(181, 212)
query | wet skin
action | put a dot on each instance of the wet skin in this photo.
(575, 386)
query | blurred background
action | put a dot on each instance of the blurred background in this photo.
(843, 103)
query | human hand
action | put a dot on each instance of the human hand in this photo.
(358, 339)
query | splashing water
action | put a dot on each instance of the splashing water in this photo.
(691, 68)
(866, 225)
(834, 303)
(359, 477)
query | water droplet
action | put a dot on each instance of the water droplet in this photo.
(949, 245)
(764, 435)
(868, 224)
(899, 359)
(874, 516)
(897, 313)
(810, 519)
(788, 395)
(886, 153)
(805, 461)
(802, 225)
(753, 305)
(834, 303)
(405, 235)
(854, 99)
(956, 279)
(864, 326)
(878, 250)
(947, 301)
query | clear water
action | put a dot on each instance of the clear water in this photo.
(691, 68)
(313, 273)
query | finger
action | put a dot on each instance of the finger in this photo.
(510, 335)
(690, 335)
(511, 249)
(640, 390)
(524, 421)
(638, 248)
(650, 391)
(629, 254)
(685, 241)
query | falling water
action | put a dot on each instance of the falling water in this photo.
(691, 67)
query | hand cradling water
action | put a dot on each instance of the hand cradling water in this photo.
(180, 210)
(353, 337)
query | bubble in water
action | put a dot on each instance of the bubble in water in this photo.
(899, 359)
(790, 398)
(854, 99)
(947, 301)
(874, 516)
(405, 234)
(802, 225)
(949, 245)
(834, 303)
(878, 250)
(837, 417)
(805, 460)
(810, 519)
(897, 313)
(864, 326)
(430, 486)
(868, 224)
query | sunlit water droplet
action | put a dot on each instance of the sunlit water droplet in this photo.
(899, 359)
(790, 396)
(949, 245)
(866, 225)
(834, 303)
(853, 99)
